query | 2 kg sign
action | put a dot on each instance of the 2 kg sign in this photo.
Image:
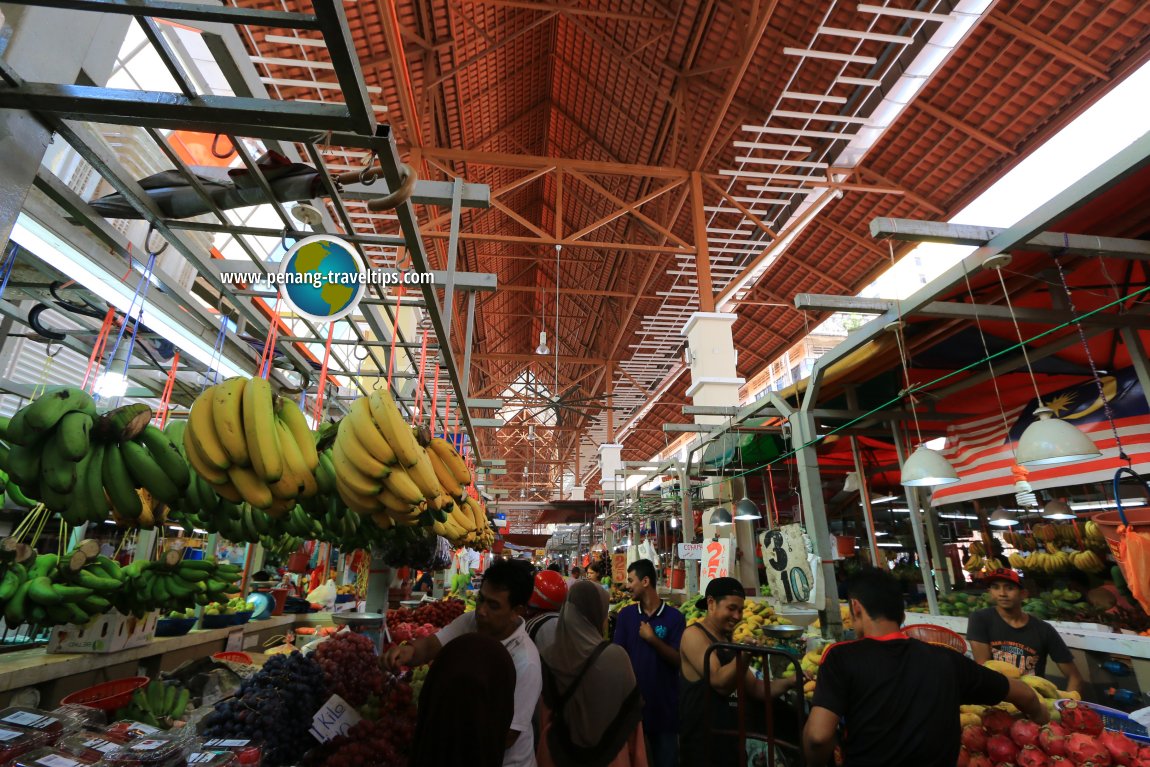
(715, 562)
(785, 556)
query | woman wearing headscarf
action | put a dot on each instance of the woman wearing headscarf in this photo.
(591, 712)
(476, 668)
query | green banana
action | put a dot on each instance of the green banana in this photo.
(146, 472)
(72, 434)
(45, 412)
(24, 464)
(92, 484)
(167, 455)
(118, 484)
(57, 470)
(13, 579)
(13, 491)
(42, 591)
(124, 423)
(183, 697)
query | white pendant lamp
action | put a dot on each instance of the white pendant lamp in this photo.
(1003, 518)
(1058, 509)
(746, 510)
(927, 468)
(1049, 441)
(542, 347)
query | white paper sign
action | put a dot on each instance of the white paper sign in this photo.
(55, 760)
(235, 641)
(785, 557)
(690, 551)
(7, 735)
(335, 718)
(715, 562)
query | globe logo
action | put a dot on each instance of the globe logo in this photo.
(322, 278)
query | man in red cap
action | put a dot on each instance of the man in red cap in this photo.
(1006, 633)
(543, 607)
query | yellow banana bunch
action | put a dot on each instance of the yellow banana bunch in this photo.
(1088, 562)
(974, 564)
(251, 445)
(1043, 687)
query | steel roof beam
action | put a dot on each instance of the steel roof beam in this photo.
(910, 230)
(166, 9)
(1111, 172)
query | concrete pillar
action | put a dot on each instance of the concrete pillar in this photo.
(715, 381)
(610, 461)
(578, 493)
(47, 45)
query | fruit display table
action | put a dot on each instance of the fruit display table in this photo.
(57, 675)
(1089, 645)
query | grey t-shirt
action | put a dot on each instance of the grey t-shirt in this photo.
(1025, 648)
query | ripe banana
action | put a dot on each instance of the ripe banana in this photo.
(446, 479)
(451, 459)
(423, 474)
(251, 486)
(200, 437)
(364, 430)
(400, 483)
(228, 419)
(289, 412)
(364, 461)
(395, 430)
(260, 432)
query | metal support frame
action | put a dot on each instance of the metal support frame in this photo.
(1126, 162)
(864, 485)
(917, 530)
(905, 230)
(351, 124)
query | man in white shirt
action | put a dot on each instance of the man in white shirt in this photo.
(499, 609)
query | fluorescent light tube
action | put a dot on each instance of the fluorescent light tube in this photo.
(905, 14)
(849, 58)
(812, 97)
(51, 249)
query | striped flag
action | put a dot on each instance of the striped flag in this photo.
(981, 449)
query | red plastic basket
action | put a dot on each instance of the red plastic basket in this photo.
(937, 635)
(108, 696)
(234, 657)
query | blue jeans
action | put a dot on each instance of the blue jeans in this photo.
(663, 749)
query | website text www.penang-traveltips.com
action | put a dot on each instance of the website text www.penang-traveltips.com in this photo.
(318, 279)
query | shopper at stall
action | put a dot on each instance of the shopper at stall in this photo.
(1006, 633)
(591, 712)
(723, 602)
(473, 667)
(650, 632)
(499, 608)
(543, 608)
(576, 575)
(898, 697)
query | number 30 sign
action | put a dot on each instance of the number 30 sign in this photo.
(785, 556)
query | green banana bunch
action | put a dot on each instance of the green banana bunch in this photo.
(157, 704)
(173, 583)
(48, 590)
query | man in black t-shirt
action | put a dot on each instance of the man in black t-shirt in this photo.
(1006, 633)
(897, 698)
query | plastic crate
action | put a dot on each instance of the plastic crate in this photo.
(936, 635)
(234, 657)
(1113, 719)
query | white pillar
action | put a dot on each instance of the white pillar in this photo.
(715, 381)
(610, 461)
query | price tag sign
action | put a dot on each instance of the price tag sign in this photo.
(690, 551)
(618, 568)
(235, 641)
(785, 558)
(715, 561)
(334, 718)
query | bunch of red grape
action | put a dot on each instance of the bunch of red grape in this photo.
(381, 739)
(350, 667)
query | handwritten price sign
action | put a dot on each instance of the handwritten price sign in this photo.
(785, 555)
(715, 562)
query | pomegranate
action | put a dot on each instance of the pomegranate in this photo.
(1079, 717)
(963, 757)
(980, 760)
(1083, 748)
(1024, 732)
(1122, 750)
(1032, 756)
(974, 738)
(1001, 749)
(1052, 739)
(997, 721)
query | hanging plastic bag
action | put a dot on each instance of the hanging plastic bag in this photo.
(324, 595)
(1133, 546)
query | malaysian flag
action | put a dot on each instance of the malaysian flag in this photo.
(981, 449)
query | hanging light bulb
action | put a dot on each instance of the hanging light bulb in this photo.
(542, 347)
(113, 382)
(674, 523)
(1049, 441)
(1003, 518)
(1058, 509)
(927, 468)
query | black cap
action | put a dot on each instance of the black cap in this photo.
(719, 588)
